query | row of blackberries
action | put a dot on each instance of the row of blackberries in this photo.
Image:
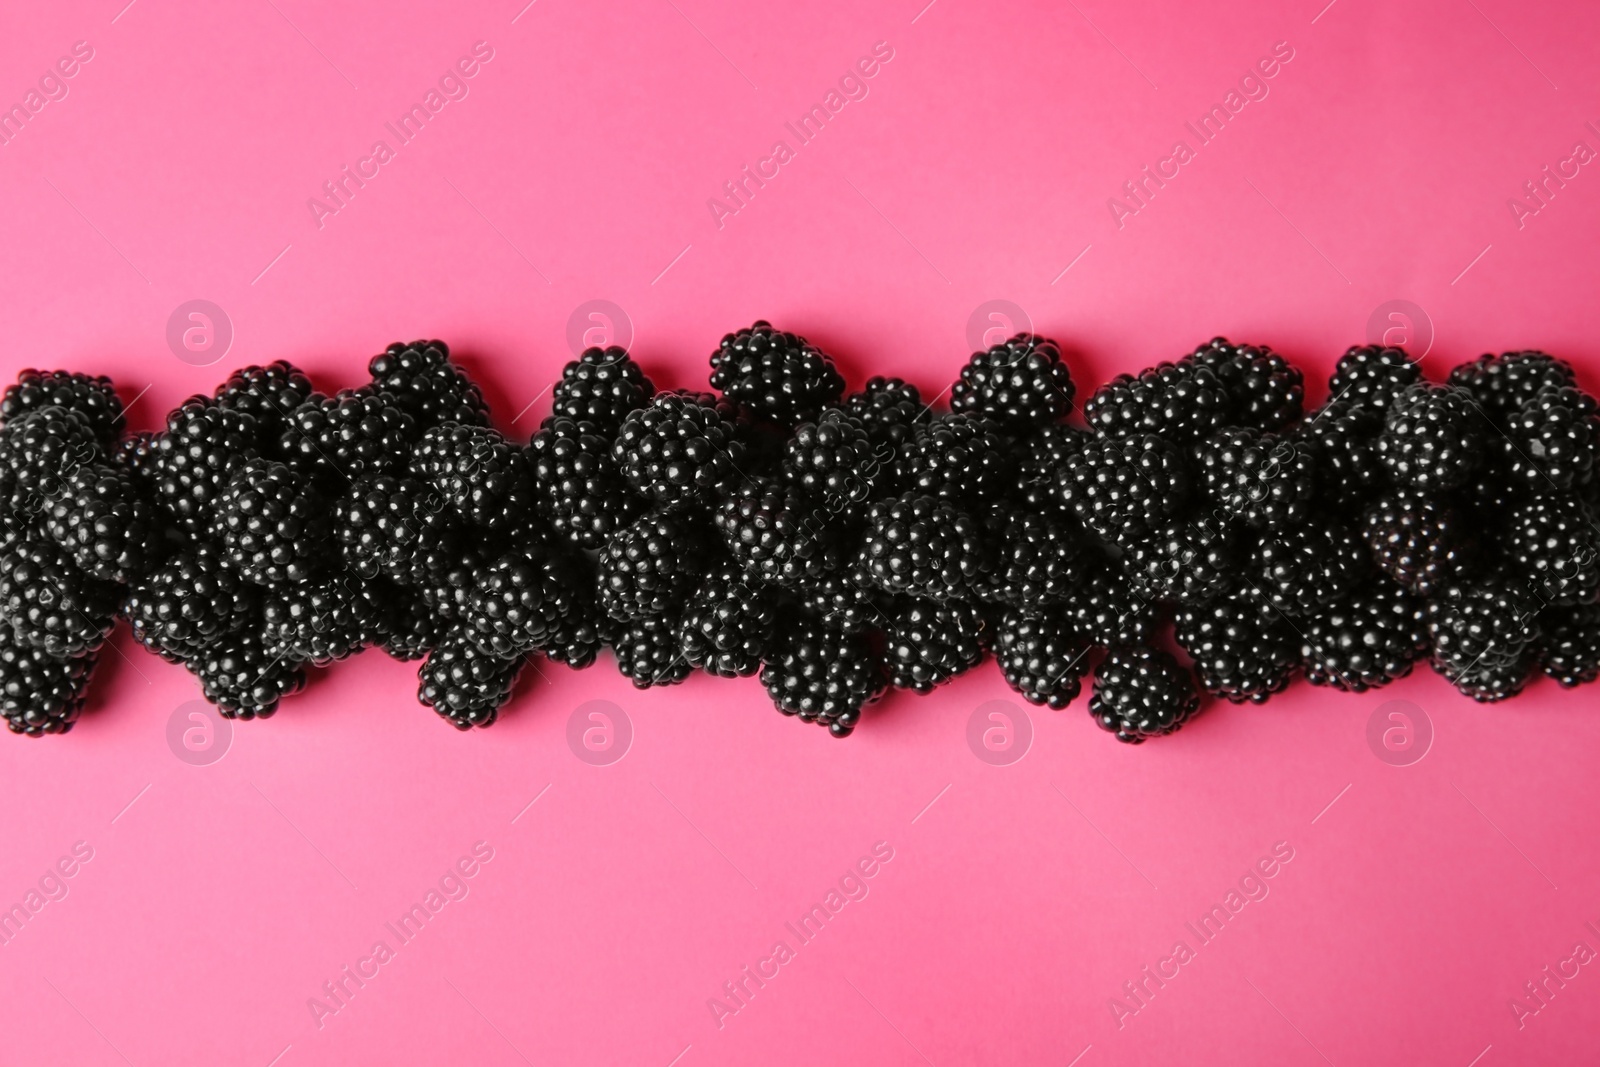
(835, 544)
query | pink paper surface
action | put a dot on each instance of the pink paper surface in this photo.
(977, 166)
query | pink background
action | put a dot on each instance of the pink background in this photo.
(978, 167)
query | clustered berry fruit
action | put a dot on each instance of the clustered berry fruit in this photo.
(1198, 534)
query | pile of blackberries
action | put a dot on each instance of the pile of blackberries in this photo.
(1200, 533)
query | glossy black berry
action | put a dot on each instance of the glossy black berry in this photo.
(1503, 383)
(821, 675)
(1367, 640)
(427, 385)
(1483, 637)
(1243, 650)
(1305, 568)
(927, 643)
(1192, 559)
(828, 458)
(398, 527)
(1419, 539)
(1041, 656)
(90, 395)
(1124, 488)
(1344, 439)
(1264, 391)
(1569, 644)
(485, 478)
(1434, 437)
(1261, 480)
(1551, 442)
(1142, 692)
(680, 448)
(581, 491)
(957, 457)
(728, 623)
(922, 546)
(1108, 611)
(649, 651)
(39, 693)
(203, 445)
(267, 394)
(772, 374)
(520, 600)
(1040, 557)
(1182, 402)
(1553, 545)
(189, 602)
(39, 450)
(320, 622)
(651, 566)
(276, 528)
(1018, 383)
(466, 687)
(601, 386)
(888, 408)
(781, 535)
(246, 678)
(1369, 377)
(105, 522)
(356, 432)
(50, 604)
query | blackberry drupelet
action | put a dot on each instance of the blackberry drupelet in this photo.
(775, 375)
(1366, 641)
(923, 546)
(1264, 391)
(427, 385)
(1124, 488)
(649, 652)
(50, 604)
(1041, 656)
(830, 458)
(1569, 646)
(1039, 557)
(107, 526)
(1344, 439)
(322, 621)
(1262, 480)
(1419, 539)
(680, 448)
(1551, 442)
(1018, 383)
(466, 687)
(821, 675)
(580, 489)
(38, 451)
(39, 693)
(483, 476)
(780, 535)
(521, 600)
(1369, 377)
(244, 677)
(1433, 437)
(1553, 545)
(189, 602)
(928, 643)
(275, 527)
(727, 623)
(1483, 637)
(1107, 611)
(203, 445)
(268, 394)
(1142, 692)
(1182, 402)
(92, 396)
(1304, 569)
(397, 527)
(336, 439)
(1193, 560)
(601, 386)
(651, 566)
(956, 457)
(1242, 649)
(1503, 383)
(888, 408)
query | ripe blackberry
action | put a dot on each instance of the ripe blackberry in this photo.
(106, 525)
(1192, 560)
(1569, 646)
(50, 604)
(827, 458)
(651, 566)
(1182, 402)
(135, 455)
(275, 527)
(203, 445)
(1123, 488)
(888, 408)
(1041, 656)
(244, 677)
(336, 439)
(1344, 439)
(1264, 391)
(1370, 377)
(1306, 568)
(779, 535)
(771, 374)
(928, 643)
(1552, 543)
(649, 652)
(923, 546)
(1483, 637)
(321, 622)
(1366, 641)
(581, 634)
(1106, 610)
(1419, 539)
(1142, 692)
(396, 527)
(679, 448)
(844, 601)
(821, 675)
(450, 574)
(601, 386)
(92, 396)
(39, 449)
(466, 687)
(1263, 480)
(1504, 383)
(727, 623)
(1040, 557)
(412, 629)
(956, 457)
(580, 490)
(1242, 650)
(484, 477)
(268, 394)
(1018, 383)
(520, 601)
(1433, 437)
(39, 693)
(189, 602)
(1551, 442)
(427, 385)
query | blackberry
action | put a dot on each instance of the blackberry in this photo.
(245, 678)
(1483, 637)
(1369, 378)
(580, 636)
(1307, 568)
(1264, 391)
(1433, 437)
(92, 396)
(1018, 383)
(1040, 557)
(821, 675)
(1042, 458)
(135, 455)
(449, 575)
(427, 385)
(1193, 560)
(1182, 402)
(779, 535)
(651, 566)
(1142, 692)
(105, 524)
(680, 448)
(1551, 441)
(466, 687)
(843, 601)
(1365, 641)
(520, 601)
(1123, 488)
(1344, 439)
(50, 604)
(1504, 383)
(321, 622)
(827, 458)
(601, 386)
(1552, 543)
(39, 693)
(774, 375)
(396, 527)
(649, 652)
(727, 623)
(1264, 481)
(38, 451)
(267, 394)
(957, 457)
(1419, 539)
(203, 445)
(189, 602)
(1106, 610)
(337, 439)
(275, 527)
(923, 546)
(412, 629)
(929, 643)
(888, 408)
(1241, 648)
(580, 490)
(1569, 648)
(1041, 656)
(484, 477)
